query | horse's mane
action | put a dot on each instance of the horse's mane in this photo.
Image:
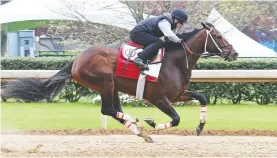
(209, 24)
(188, 35)
(185, 36)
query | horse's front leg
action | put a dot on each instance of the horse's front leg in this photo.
(165, 106)
(189, 95)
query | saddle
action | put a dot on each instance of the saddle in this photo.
(126, 68)
(130, 51)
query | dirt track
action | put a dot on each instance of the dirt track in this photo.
(90, 132)
(84, 143)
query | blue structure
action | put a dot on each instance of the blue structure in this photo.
(267, 41)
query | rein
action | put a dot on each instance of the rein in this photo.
(205, 48)
(208, 32)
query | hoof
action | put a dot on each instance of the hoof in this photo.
(199, 128)
(150, 122)
(149, 140)
(198, 131)
(146, 138)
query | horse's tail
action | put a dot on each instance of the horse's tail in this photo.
(33, 89)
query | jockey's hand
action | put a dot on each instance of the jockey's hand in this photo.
(182, 41)
(171, 43)
(179, 35)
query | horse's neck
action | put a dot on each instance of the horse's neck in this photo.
(193, 60)
(196, 45)
(196, 49)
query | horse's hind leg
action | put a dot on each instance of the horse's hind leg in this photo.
(101, 79)
(109, 96)
(117, 107)
(165, 106)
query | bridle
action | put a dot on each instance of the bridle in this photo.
(207, 54)
(220, 49)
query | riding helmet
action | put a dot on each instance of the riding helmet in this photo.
(180, 15)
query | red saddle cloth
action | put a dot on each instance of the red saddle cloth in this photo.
(132, 71)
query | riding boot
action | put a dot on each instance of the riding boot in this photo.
(141, 63)
(148, 53)
(154, 49)
(142, 58)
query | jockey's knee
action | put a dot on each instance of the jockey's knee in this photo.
(175, 121)
(160, 43)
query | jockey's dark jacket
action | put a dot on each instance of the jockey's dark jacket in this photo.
(150, 25)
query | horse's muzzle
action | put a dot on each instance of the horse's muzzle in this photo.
(231, 56)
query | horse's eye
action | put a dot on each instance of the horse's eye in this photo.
(219, 37)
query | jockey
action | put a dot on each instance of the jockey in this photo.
(148, 31)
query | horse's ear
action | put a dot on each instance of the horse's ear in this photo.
(205, 25)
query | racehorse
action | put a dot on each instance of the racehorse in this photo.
(95, 68)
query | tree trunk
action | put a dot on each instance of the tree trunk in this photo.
(3, 42)
(215, 99)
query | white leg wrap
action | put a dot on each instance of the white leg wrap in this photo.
(163, 126)
(124, 117)
(203, 114)
(132, 127)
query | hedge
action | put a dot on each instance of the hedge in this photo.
(261, 93)
(239, 64)
(41, 63)
(55, 63)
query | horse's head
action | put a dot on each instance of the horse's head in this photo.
(216, 44)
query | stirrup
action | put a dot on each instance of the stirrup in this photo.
(141, 65)
(144, 66)
(147, 63)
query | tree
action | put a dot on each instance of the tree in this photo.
(239, 13)
(86, 32)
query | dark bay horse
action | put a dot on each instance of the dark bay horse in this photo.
(95, 67)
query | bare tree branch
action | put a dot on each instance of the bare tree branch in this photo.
(193, 8)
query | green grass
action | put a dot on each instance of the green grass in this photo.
(85, 116)
(72, 53)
